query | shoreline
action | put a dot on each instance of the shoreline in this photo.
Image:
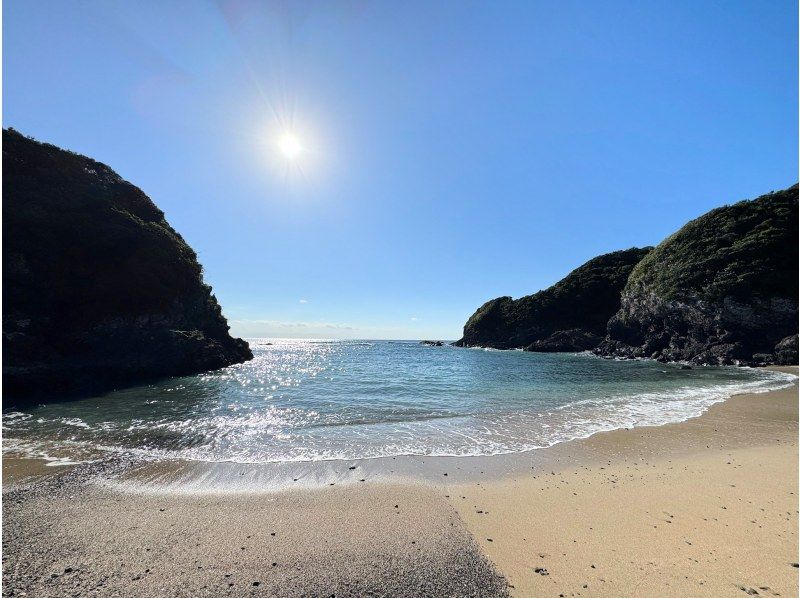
(195, 476)
(706, 506)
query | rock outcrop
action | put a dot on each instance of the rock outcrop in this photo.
(721, 290)
(571, 315)
(566, 341)
(99, 290)
(786, 351)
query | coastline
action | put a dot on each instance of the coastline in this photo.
(665, 510)
(704, 507)
(164, 473)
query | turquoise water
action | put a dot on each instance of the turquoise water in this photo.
(319, 400)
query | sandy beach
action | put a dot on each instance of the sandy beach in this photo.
(707, 507)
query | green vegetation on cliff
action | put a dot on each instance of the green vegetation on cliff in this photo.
(581, 302)
(748, 249)
(721, 290)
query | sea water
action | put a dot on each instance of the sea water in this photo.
(314, 400)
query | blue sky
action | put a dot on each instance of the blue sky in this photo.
(452, 151)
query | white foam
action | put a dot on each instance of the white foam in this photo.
(287, 434)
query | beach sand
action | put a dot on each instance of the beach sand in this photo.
(707, 507)
(66, 539)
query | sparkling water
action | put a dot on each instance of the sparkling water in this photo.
(312, 400)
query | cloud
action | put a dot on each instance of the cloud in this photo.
(306, 329)
(303, 300)
(414, 318)
(294, 325)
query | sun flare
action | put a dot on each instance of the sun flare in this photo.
(290, 146)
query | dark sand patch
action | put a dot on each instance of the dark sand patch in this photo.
(66, 538)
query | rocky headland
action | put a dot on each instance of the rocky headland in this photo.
(569, 316)
(99, 291)
(722, 290)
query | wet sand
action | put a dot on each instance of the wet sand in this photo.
(22, 469)
(707, 507)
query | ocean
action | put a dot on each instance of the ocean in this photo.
(317, 400)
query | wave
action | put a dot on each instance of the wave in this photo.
(325, 400)
(260, 437)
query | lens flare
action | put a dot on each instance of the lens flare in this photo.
(290, 146)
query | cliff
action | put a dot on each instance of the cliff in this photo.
(721, 290)
(99, 290)
(569, 316)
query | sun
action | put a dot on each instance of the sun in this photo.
(290, 146)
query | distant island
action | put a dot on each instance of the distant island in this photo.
(99, 290)
(720, 291)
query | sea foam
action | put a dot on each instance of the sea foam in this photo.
(325, 400)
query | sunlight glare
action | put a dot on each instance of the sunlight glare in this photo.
(290, 146)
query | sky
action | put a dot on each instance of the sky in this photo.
(451, 152)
